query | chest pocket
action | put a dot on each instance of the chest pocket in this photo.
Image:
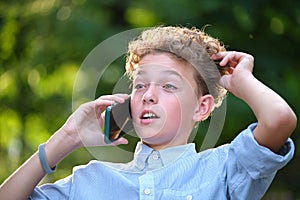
(176, 195)
(179, 195)
(192, 194)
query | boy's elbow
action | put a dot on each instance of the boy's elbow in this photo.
(292, 121)
(274, 131)
(286, 120)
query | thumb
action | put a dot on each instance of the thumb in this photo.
(120, 141)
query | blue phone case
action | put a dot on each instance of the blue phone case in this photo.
(107, 125)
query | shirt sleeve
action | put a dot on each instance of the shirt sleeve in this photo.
(252, 167)
(59, 190)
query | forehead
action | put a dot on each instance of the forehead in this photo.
(164, 63)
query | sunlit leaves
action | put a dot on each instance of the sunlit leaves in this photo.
(140, 17)
(277, 25)
(8, 84)
(243, 17)
(8, 36)
(10, 126)
(35, 129)
(40, 6)
(63, 13)
(60, 82)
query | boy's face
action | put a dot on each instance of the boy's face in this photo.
(163, 101)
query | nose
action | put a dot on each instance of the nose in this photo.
(150, 96)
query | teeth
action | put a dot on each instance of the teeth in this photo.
(149, 115)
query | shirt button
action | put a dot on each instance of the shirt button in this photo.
(155, 157)
(147, 191)
(189, 197)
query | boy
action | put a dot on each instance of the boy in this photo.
(175, 86)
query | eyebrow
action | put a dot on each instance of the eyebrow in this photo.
(167, 72)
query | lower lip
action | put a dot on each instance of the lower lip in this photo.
(147, 121)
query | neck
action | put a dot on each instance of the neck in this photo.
(157, 147)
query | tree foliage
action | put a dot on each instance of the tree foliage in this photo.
(43, 43)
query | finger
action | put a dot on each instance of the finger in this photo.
(118, 95)
(101, 105)
(231, 58)
(245, 61)
(120, 141)
(108, 100)
(221, 58)
(235, 60)
(120, 98)
(221, 54)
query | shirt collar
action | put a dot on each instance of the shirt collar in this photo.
(167, 155)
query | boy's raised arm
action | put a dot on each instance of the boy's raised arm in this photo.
(276, 120)
(81, 129)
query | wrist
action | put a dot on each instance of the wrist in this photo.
(59, 146)
(70, 134)
(43, 160)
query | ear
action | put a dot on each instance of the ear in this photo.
(204, 108)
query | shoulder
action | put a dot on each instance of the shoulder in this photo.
(213, 158)
(99, 168)
(95, 165)
(91, 165)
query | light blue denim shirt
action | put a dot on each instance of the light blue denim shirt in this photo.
(240, 170)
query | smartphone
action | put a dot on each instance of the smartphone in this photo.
(118, 121)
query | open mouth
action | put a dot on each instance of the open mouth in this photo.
(148, 115)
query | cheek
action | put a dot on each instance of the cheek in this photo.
(134, 108)
(173, 112)
(184, 112)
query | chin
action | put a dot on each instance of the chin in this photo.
(156, 140)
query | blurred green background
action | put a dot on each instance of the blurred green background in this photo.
(44, 42)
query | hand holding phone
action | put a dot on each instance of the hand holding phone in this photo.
(117, 121)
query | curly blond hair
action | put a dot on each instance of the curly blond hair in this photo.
(189, 44)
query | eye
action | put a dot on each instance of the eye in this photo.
(139, 86)
(169, 87)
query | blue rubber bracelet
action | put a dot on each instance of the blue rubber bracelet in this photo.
(43, 160)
